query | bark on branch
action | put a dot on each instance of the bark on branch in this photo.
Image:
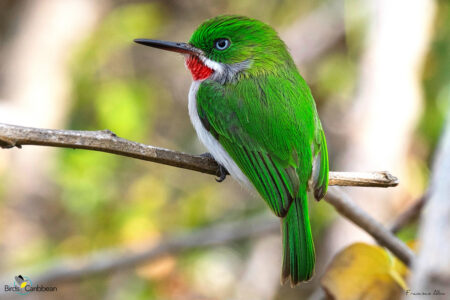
(106, 141)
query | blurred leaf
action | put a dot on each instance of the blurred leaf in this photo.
(408, 232)
(105, 60)
(356, 17)
(82, 174)
(74, 245)
(118, 30)
(363, 271)
(157, 269)
(122, 108)
(107, 95)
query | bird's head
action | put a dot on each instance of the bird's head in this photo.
(225, 48)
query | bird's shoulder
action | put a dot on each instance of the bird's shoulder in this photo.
(275, 112)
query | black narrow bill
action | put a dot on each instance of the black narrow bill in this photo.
(170, 46)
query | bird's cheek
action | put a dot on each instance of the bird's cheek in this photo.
(198, 69)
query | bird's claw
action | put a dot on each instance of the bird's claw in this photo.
(221, 173)
(207, 155)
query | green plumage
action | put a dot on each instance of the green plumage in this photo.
(257, 117)
(266, 119)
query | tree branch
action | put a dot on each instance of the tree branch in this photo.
(106, 141)
(410, 214)
(346, 207)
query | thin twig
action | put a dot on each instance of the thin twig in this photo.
(106, 141)
(410, 214)
(346, 207)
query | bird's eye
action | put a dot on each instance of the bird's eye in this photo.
(222, 44)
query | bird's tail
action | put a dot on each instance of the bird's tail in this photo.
(298, 246)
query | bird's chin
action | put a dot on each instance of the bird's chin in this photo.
(198, 69)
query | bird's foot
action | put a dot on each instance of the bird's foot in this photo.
(221, 171)
(207, 155)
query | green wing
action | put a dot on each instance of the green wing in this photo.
(268, 126)
(321, 180)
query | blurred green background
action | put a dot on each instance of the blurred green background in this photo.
(75, 202)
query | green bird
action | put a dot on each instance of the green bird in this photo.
(256, 115)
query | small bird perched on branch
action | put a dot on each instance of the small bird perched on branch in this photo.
(256, 115)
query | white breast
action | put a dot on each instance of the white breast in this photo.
(213, 146)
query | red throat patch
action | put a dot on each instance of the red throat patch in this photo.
(198, 69)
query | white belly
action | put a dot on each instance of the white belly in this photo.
(213, 146)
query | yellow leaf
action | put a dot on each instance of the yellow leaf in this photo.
(363, 271)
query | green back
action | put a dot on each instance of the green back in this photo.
(268, 124)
